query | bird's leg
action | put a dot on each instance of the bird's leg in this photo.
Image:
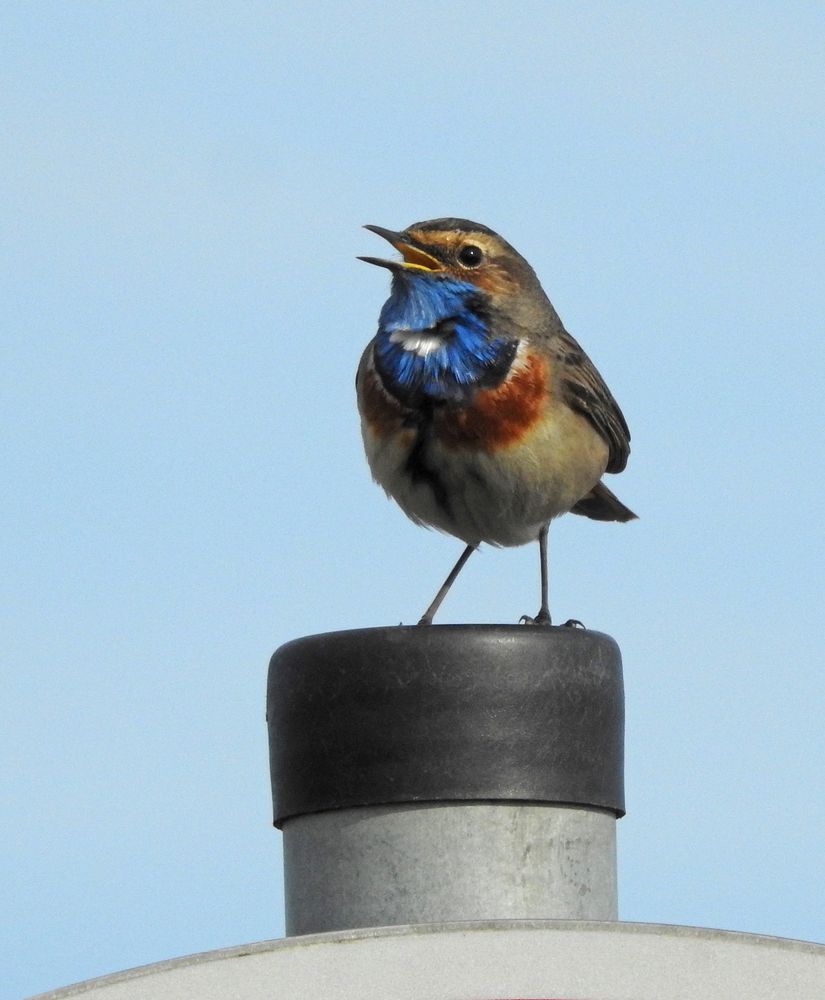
(543, 617)
(427, 617)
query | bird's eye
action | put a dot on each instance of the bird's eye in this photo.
(470, 256)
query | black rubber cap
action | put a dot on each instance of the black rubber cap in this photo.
(446, 713)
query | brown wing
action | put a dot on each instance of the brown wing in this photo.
(585, 392)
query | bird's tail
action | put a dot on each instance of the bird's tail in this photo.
(602, 505)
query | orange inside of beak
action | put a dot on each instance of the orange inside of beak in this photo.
(413, 257)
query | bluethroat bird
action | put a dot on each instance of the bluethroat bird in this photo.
(481, 415)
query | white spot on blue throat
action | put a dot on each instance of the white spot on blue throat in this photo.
(434, 339)
(420, 342)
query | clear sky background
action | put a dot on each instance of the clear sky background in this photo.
(182, 187)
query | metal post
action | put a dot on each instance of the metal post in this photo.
(446, 773)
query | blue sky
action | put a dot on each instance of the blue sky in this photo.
(182, 187)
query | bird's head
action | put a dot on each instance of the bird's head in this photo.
(457, 250)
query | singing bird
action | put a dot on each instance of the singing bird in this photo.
(481, 416)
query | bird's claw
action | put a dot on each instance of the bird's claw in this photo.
(542, 618)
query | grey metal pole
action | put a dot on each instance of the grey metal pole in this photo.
(445, 773)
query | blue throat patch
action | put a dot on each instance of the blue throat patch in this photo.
(463, 355)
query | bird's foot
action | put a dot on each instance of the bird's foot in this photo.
(425, 620)
(574, 623)
(542, 618)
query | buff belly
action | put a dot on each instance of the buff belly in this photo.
(502, 495)
(496, 470)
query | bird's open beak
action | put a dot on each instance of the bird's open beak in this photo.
(414, 257)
